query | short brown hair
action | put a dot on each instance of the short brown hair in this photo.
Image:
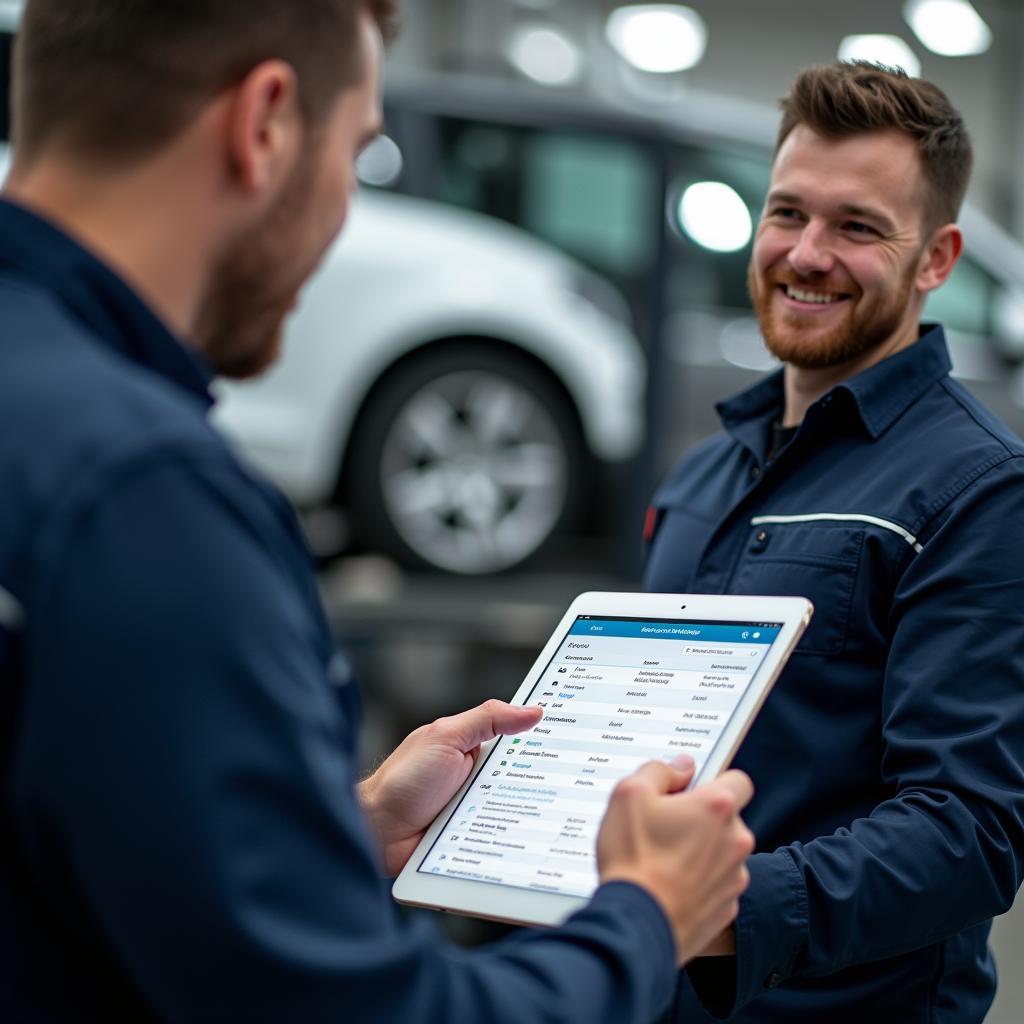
(843, 99)
(116, 79)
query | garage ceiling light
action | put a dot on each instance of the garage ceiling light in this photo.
(714, 215)
(889, 50)
(546, 55)
(658, 37)
(951, 28)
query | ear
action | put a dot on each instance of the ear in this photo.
(264, 126)
(939, 257)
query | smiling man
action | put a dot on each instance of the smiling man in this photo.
(890, 757)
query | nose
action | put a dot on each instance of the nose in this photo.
(812, 254)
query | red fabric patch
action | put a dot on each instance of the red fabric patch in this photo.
(650, 524)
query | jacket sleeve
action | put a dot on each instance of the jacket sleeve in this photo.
(189, 768)
(945, 851)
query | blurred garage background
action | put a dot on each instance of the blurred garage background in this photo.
(541, 294)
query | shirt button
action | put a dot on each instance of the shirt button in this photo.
(762, 537)
(755, 472)
(773, 979)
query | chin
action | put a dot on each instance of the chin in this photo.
(808, 351)
(251, 360)
(819, 353)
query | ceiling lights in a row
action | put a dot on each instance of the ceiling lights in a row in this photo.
(659, 38)
(950, 28)
(667, 38)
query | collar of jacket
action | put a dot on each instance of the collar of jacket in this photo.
(114, 314)
(880, 394)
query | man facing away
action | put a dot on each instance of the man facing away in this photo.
(181, 836)
(891, 754)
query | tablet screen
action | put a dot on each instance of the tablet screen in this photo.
(617, 693)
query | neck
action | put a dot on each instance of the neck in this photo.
(803, 387)
(155, 247)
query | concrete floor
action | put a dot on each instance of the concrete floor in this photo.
(1008, 943)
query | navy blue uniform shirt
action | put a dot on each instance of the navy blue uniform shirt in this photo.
(889, 759)
(179, 836)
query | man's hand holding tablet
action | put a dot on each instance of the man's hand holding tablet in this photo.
(686, 849)
(591, 792)
(408, 791)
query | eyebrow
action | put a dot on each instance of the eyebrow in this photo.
(849, 209)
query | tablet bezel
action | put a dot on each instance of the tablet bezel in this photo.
(526, 906)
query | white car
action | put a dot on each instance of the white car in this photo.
(449, 381)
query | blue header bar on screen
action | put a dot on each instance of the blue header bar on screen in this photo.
(738, 633)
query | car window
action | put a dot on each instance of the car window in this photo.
(965, 302)
(591, 196)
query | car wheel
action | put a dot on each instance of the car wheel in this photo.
(465, 459)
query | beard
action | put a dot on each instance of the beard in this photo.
(254, 286)
(794, 338)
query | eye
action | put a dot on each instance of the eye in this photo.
(787, 213)
(856, 227)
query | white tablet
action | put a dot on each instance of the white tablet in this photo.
(624, 679)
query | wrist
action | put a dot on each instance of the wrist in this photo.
(366, 794)
(664, 902)
(382, 823)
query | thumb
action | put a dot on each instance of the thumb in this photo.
(738, 784)
(665, 778)
(490, 719)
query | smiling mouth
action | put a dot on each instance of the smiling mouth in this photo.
(811, 297)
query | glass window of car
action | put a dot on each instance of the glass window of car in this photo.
(592, 196)
(589, 197)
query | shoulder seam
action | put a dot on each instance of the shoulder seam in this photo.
(946, 384)
(926, 525)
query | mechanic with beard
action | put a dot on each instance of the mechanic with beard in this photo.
(180, 833)
(890, 756)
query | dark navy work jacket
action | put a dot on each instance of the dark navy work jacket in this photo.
(889, 760)
(179, 835)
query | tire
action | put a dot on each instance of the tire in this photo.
(466, 459)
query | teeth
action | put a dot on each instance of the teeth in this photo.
(801, 296)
